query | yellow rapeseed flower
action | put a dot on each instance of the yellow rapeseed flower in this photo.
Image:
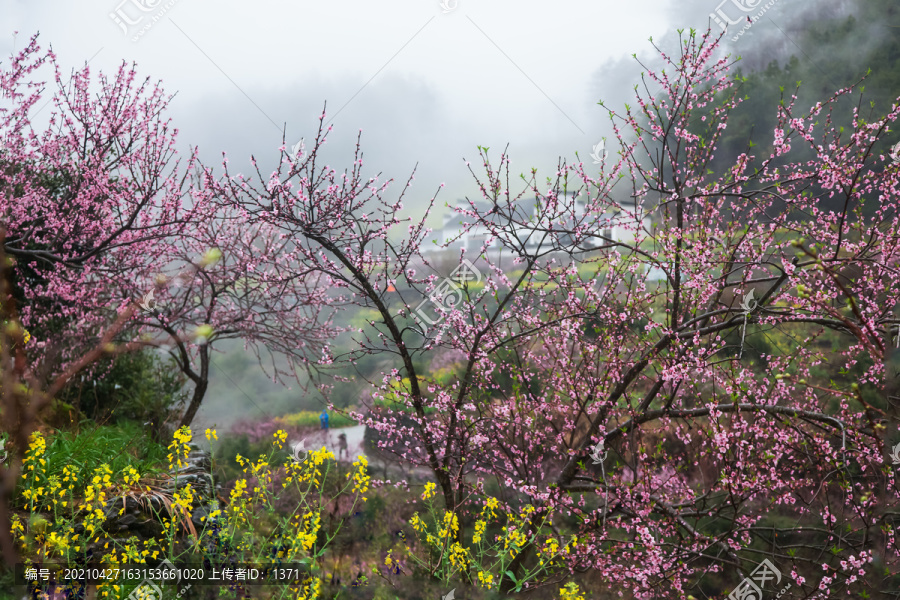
(361, 477)
(280, 437)
(180, 446)
(417, 523)
(429, 490)
(485, 579)
(570, 591)
(480, 526)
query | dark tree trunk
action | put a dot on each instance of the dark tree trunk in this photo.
(199, 388)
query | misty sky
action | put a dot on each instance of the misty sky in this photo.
(425, 86)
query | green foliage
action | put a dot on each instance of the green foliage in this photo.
(275, 510)
(138, 386)
(119, 446)
(363, 317)
(231, 446)
(826, 67)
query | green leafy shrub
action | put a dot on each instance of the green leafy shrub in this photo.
(138, 386)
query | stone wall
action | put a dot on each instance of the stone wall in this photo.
(142, 512)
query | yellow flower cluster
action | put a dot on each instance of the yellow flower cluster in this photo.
(180, 447)
(44, 493)
(95, 499)
(417, 523)
(570, 591)
(280, 437)
(294, 472)
(480, 526)
(96, 491)
(55, 536)
(551, 547)
(311, 590)
(35, 454)
(263, 477)
(429, 491)
(33, 495)
(212, 515)
(183, 498)
(450, 526)
(59, 543)
(240, 486)
(490, 505)
(485, 579)
(316, 459)
(131, 476)
(459, 556)
(237, 505)
(515, 539)
(360, 476)
(18, 529)
(307, 533)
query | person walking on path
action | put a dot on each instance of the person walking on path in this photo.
(342, 445)
(323, 421)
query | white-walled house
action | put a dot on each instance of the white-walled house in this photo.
(617, 223)
(455, 227)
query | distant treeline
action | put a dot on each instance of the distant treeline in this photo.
(828, 55)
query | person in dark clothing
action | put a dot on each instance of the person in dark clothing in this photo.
(342, 445)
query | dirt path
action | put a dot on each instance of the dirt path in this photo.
(330, 440)
(355, 448)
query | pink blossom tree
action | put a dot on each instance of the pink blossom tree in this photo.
(98, 210)
(87, 199)
(229, 280)
(627, 409)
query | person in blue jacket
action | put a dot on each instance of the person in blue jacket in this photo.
(323, 419)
